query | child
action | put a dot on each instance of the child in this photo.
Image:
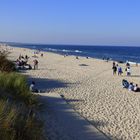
(120, 71)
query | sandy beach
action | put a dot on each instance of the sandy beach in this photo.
(89, 86)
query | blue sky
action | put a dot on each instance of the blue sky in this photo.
(92, 22)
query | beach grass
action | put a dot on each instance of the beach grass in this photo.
(18, 109)
(17, 123)
(19, 119)
(16, 87)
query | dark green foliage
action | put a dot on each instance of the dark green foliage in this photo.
(16, 87)
(5, 64)
(18, 109)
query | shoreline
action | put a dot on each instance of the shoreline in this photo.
(91, 90)
(64, 52)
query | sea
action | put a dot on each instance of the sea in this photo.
(116, 53)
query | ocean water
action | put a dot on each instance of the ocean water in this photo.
(118, 53)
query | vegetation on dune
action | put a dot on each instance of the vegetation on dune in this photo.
(17, 123)
(18, 106)
(15, 87)
(5, 64)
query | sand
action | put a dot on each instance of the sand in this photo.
(90, 88)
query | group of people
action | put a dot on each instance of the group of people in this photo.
(22, 63)
(117, 69)
(130, 86)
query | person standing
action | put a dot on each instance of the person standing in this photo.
(113, 63)
(128, 70)
(35, 64)
(114, 69)
(119, 70)
(41, 54)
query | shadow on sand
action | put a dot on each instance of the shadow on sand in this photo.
(47, 84)
(135, 76)
(72, 123)
(83, 65)
(131, 76)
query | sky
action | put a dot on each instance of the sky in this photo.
(82, 22)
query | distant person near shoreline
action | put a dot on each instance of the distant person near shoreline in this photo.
(114, 68)
(128, 70)
(120, 70)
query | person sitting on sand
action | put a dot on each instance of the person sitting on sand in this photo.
(17, 62)
(131, 87)
(21, 64)
(33, 88)
(125, 83)
(26, 58)
(20, 56)
(136, 88)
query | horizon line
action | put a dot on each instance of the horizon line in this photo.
(61, 44)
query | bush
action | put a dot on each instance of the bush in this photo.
(18, 109)
(17, 123)
(15, 86)
(5, 64)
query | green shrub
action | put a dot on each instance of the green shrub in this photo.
(17, 123)
(5, 64)
(18, 109)
(7, 116)
(16, 86)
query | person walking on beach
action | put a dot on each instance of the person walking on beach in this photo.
(128, 70)
(41, 54)
(127, 64)
(119, 70)
(35, 64)
(113, 64)
(77, 57)
(114, 69)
